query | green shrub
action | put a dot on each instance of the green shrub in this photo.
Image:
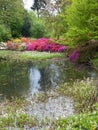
(76, 35)
(5, 33)
(38, 30)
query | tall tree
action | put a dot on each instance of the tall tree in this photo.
(54, 14)
(82, 20)
(11, 14)
(38, 5)
(27, 24)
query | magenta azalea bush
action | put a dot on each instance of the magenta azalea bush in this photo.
(74, 56)
(41, 44)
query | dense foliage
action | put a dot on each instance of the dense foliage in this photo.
(82, 20)
(5, 33)
(15, 21)
(11, 15)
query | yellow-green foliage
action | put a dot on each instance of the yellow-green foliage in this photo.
(82, 20)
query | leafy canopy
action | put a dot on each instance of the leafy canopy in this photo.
(82, 20)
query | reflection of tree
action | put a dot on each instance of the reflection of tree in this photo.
(34, 78)
(51, 76)
(13, 79)
(45, 75)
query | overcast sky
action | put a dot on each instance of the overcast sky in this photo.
(28, 4)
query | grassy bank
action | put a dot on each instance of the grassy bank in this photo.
(28, 55)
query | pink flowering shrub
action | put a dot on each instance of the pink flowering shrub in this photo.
(45, 44)
(74, 56)
(41, 44)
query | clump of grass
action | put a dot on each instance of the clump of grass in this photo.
(19, 120)
(82, 92)
(12, 105)
(41, 97)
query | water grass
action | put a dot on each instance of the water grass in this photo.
(83, 92)
(83, 121)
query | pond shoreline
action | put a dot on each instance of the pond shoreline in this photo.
(28, 56)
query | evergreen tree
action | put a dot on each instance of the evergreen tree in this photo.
(38, 5)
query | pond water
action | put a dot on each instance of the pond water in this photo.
(20, 79)
(32, 80)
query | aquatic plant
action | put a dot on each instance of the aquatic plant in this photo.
(86, 121)
(82, 92)
(17, 120)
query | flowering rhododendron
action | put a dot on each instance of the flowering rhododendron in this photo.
(74, 56)
(45, 44)
(62, 48)
(42, 44)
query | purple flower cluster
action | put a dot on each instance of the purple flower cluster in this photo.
(74, 56)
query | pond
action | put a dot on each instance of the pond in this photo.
(19, 79)
(38, 80)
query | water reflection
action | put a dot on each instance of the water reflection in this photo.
(34, 77)
(18, 79)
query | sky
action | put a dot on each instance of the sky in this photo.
(28, 4)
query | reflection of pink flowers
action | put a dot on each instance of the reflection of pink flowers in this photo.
(74, 56)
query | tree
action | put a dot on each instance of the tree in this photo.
(27, 24)
(54, 14)
(5, 33)
(38, 5)
(82, 20)
(11, 14)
